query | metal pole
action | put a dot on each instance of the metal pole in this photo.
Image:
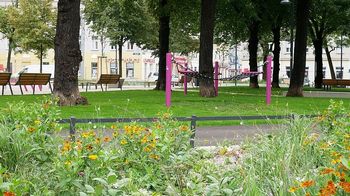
(236, 59)
(341, 56)
(193, 129)
(72, 127)
(168, 81)
(268, 80)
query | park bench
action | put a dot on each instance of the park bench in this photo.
(328, 83)
(182, 80)
(33, 79)
(107, 79)
(5, 80)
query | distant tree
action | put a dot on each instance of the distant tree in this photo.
(326, 17)
(34, 23)
(67, 53)
(119, 21)
(298, 71)
(7, 30)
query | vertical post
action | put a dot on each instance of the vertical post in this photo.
(72, 127)
(216, 77)
(268, 80)
(236, 59)
(185, 80)
(193, 129)
(168, 80)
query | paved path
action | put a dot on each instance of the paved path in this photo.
(207, 136)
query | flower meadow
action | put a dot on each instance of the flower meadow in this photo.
(306, 157)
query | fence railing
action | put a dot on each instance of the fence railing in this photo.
(72, 121)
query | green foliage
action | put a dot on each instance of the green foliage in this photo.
(34, 22)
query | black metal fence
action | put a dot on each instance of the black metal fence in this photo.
(193, 119)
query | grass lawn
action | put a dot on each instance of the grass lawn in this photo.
(232, 101)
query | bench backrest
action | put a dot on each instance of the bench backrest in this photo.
(108, 79)
(336, 82)
(5, 78)
(33, 79)
(329, 82)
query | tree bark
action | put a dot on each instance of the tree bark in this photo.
(298, 71)
(319, 63)
(206, 85)
(9, 53)
(276, 56)
(253, 52)
(67, 53)
(265, 48)
(120, 50)
(164, 33)
(330, 62)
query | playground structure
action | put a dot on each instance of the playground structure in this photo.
(186, 72)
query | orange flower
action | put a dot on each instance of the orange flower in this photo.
(106, 139)
(329, 190)
(89, 147)
(31, 129)
(327, 171)
(307, 183)
(345, 186)
(184, 128)
(66, 146)
(97, 140)
(8, 193)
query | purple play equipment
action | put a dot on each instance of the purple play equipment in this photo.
(268, 80)
(187, 72)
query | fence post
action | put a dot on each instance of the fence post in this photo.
(292, 118)
(193, 129)
(72, 127)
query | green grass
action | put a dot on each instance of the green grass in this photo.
(232, 101)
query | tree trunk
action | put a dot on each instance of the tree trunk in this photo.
(9, 53)
(120, 50)
(276, 56)
(265, 48)
(253, 52)
(67, 53)
(164, 33)
(298, 71)
(318, 60)
(206, 85)
(330, 62)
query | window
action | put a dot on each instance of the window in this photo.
(288, 50)
(324, 72)
(94, 43)
(130, 46)
(288, 71)
(113, 68)
(339, 72)
(93, 70)
(113, 47)
(130, 70)
(46, 63)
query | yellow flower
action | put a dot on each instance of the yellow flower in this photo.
(144, 140)
(93, 157)
(37, 122)
(147, 149)
(293, 189)
(123, 142)
(184, 128)
(335, 161)
(68, 163)
(97, 140)
(66, 146)
(153, 156)
(85, 134)
(113, 127)
(115, 133)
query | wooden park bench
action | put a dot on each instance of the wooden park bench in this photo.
(33, 79)
(182, 80)
(107, 79)
(5, 80)
(328, 83)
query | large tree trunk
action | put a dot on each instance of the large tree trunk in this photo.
(120, 50)
(9, 53)
(67, 53)
(164, 33)
(318, 59)
(276, 56)
(265, 49)
(206, 85)
(330, 62)
(253, 52)
(298, 71)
